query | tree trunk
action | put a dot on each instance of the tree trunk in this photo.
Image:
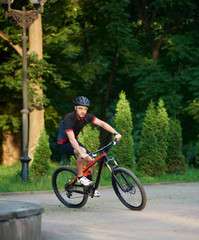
(36, 117)
(155, 53)
(11, 148)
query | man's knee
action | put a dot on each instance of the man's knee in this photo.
(82, 149)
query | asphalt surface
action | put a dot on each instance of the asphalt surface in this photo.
(172, 212)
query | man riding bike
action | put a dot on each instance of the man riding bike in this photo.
(70, 126)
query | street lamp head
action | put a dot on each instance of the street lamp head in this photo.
(38, 3)
(6, 4)
(6, 1)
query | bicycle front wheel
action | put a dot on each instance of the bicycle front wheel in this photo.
(128, 189)
(72, 195)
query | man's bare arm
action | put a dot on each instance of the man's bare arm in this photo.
(107, 127)
(75, 145)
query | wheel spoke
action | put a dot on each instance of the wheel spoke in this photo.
(72, 196)
(128, 189)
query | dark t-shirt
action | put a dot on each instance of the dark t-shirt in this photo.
(72, 122)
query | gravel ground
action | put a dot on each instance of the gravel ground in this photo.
(172, 212)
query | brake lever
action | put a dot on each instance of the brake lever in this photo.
(114, 141)
(93, 155)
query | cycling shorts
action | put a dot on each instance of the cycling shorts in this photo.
(68, 149)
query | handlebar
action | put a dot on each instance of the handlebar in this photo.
(109, 145)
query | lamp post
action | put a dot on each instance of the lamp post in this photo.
(24, 19)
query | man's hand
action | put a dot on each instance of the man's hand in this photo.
(88, 159)
(83, 155)
(118, 137)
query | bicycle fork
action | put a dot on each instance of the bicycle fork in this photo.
(116, 178)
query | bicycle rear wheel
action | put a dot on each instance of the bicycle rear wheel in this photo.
(72, 195)
(128, 189)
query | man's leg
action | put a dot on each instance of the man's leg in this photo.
(69, 150)
(80, 163)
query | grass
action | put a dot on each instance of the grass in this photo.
(191, 175)
(10, 178)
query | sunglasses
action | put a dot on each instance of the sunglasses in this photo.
(82, 108)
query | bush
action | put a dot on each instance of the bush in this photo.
(162, 130)
(124, 150)
(197, 153)
(154, 141)
(89, 137)
(175, 159)
(41, 156)
(148, 143)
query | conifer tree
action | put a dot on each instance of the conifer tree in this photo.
(89, 137)
(175, 160)
(154, 141)
(197, 153)
(41, 156)
(162, 129)
(148, 145)
(124, 150)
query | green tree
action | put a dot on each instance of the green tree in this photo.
(148, 144)
(156, 19)
(87, 41)
(175, 160)
(124, 150)
(154, 141)
(193, 109)
(162, 129)
(197, 153)
(89, 137)
(42, 155)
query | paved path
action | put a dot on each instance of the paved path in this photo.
(172, 212)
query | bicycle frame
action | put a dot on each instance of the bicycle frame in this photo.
(104, 158)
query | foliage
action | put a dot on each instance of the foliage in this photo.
(51, 120)
(193, 109)
(153, 145)
(40, 71)
(148, 145)
(11, 85)
(197, 153)
(124, 150)
(91, 39)
(42, 155)
(149, 49)
(11, 99)
(152, 82)
(162, 130)
(89, 137)
(175, 159)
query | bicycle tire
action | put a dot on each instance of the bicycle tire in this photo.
(73, 196)
(132, 195)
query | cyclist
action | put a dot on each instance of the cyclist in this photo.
(70, 126)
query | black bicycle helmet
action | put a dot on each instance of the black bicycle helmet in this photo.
(82, 101)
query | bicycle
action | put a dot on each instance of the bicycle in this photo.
(126, 185)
